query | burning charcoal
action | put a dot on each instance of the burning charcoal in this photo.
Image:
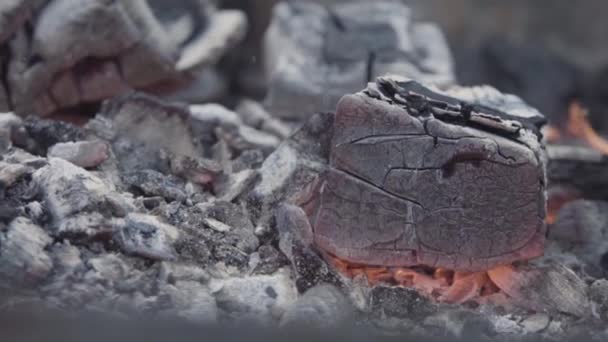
(85, 154)
(146, 236)
(57, 63)
(322, 307)
(315, 54)
(581, 228)
(398, 154)
(234, 185)
(152, 183)
(254, 115)
(24, 260)
(69, 190)
(552, 288)
(258, 298)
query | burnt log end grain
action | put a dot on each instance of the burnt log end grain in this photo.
(419, 178)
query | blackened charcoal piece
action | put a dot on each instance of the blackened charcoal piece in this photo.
(47, 133)
(316, 54)
(578, 167)
(407, 186)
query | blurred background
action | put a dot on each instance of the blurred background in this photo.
(549, 52)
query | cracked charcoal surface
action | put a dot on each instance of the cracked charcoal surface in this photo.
(407, 187)
(316, 54)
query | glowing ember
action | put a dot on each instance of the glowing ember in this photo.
(439, 284)
(578, 127)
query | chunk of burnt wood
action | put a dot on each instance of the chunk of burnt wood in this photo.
(453, 179)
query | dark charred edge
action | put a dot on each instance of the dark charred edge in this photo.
(5, 57)
(426, 101)
(371, 60)
(335, 19)
(585, 174)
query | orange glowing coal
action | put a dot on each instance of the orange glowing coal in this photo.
(577, 127)
(440, 284)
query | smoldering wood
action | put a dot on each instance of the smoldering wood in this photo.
(407, 186)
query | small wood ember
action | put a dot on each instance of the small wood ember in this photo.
(363, 192)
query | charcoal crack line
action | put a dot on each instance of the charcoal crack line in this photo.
(375, 187)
